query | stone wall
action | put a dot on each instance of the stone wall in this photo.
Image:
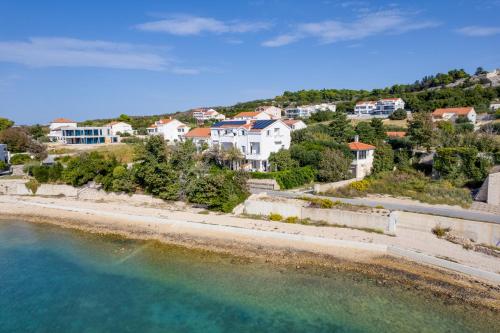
(494, 189)
(93, 194)
(322, 188)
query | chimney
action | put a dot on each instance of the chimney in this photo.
(356, 138)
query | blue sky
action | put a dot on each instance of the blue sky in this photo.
(98, 59)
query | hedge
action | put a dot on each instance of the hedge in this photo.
(288, 179)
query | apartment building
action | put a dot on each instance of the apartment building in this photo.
(387, 106)
(365, 107)
(273, 111)
(256, 140)
(205, 114)
(452, 114)
(172, 130)
(120, 127)
(253, 115)
(305, 111)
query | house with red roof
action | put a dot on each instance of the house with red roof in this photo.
(363, 155)
(253, 115)
(204, 114)
(295, 124)
(273, 111)
(452, 114)
(200, 136)
(172, 130)
(120, 127)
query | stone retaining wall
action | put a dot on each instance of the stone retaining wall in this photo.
(322, 188)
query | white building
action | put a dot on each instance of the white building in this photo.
(363, 155)
(295, 124)
(172, 130)
(255, 139)
(204, 114)
(273, 111)
(453, 113)
(365, 107)
(55, 133)
(256, 115)
(495, 106)
(119, 127)
(387, 106)
(305, 111)
(86, 135)
(200, 137)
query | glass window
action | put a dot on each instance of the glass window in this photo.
(362, 154)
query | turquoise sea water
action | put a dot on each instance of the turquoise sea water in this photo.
(57, 280)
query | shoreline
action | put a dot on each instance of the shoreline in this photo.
(369, 260)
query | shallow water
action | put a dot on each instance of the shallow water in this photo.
(58, 280)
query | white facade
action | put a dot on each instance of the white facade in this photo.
(86, 135)
(200, 137)
(273, 111)
(257, 115)
(172, 130)
(256, 140)
(204, 114)
(305, 111)
(365, 107)
(295, 124)
(494, 106)
(119, 127)
(363, 155)
(452, 114)
(387, 106)
(55, 126)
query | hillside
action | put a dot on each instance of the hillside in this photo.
(455, 88)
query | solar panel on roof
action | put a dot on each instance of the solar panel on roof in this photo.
(260, 124)
(222, 123)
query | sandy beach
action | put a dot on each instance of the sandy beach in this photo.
(276, 242)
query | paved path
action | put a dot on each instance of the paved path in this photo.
(467, 214)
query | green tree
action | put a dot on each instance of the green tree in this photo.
(378, 129)
(123, 117)
(383, 159)
(334, 166)
(421, 130)
(340, 128)
(5, 123)
(16, 139)
(366, 132)
(282, 160)
(399, 114)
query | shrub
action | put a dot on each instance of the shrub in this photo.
(32, 185)
(399, 114)
(360, 185)
(319, 202)
(291, 219)
(19, 159)
(275, 217)
(288, 179)
(460, 165)
(3, 166)
(334, 166)
(439, 231)
(45, 173)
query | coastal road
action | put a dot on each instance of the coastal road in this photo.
(461, 213)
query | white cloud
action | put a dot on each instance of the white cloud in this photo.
(70, 52)
(479, 31)
(184, 25)
(366, 25)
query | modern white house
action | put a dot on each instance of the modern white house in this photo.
(295, 124)
(305, 111)
(453, 113)
(363, 155)
(55, 133)
(365, 107)
(256, 140)
(387, 106)
(172, 130)
(4, 154)
(273, 111)
(200, 137)
(255, 115)
(120, 127)
(204, 114)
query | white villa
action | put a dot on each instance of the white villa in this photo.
(172, 130)
(305, 111)
(200, 136)
(119, 127)
(453, 113)
(365, 107)
(255, 139)
(387, 106)
(256, 115)
(273, 111)
(67, 131)
(204, 114)
(363, 155)
(295, 124)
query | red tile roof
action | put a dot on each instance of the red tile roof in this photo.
(458, 111)
(396, 134)
(360, 146)
(200, 132)
(247, 114)
(63, 120)
(290, 121)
